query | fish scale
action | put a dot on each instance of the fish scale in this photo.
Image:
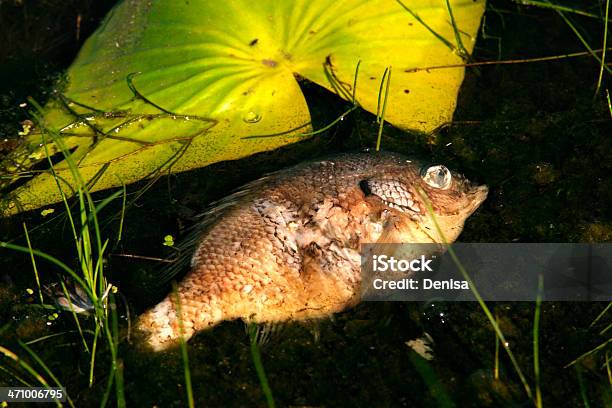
(287, 246)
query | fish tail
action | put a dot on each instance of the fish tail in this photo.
(162, 328)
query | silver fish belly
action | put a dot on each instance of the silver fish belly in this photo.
(287, 246)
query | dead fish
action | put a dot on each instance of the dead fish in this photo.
(286, 247)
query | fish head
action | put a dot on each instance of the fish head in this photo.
(425, 203)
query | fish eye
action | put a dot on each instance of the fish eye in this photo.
(437, 176)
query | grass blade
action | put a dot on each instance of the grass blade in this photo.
(603, 52)
(41, 363)
(33, 259)
(536, 342)
(183, 346)
(497, 341)
(9, 354)
(259, 368)
(580, 37)
(476, 294)
(583, 391)
(387, 76)
(588, 353)
(548, 5)
(461, 50)
(608, 370)
(600, 315)
(431, 30)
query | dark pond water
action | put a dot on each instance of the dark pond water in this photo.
(533, 132)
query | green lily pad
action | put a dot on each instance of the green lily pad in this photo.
(177, 85)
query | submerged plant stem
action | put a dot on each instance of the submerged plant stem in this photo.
(476, 294)
(600, 315)
(259, 368)
(41, 363)
(603, 53)
(583, 391)
(461, 50)
(496, 368)
(183, 346)
(506, 62)
(548, 5)
(536, 342)
(33, 259)
(608, 370)
(9, 354)
(387, 76)
(582, 40)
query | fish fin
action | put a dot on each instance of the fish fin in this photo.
(390, 244)
(315, 330)
(264, 333)
(388, 235)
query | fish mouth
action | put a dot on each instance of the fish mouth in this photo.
(477, 196)
(480, 193)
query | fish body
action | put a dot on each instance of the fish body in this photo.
(287, 247)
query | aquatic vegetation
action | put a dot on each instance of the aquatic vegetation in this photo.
(165, 86)
(90, 277)
(527, 126)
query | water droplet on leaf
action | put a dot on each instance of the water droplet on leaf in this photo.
(251, 117)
